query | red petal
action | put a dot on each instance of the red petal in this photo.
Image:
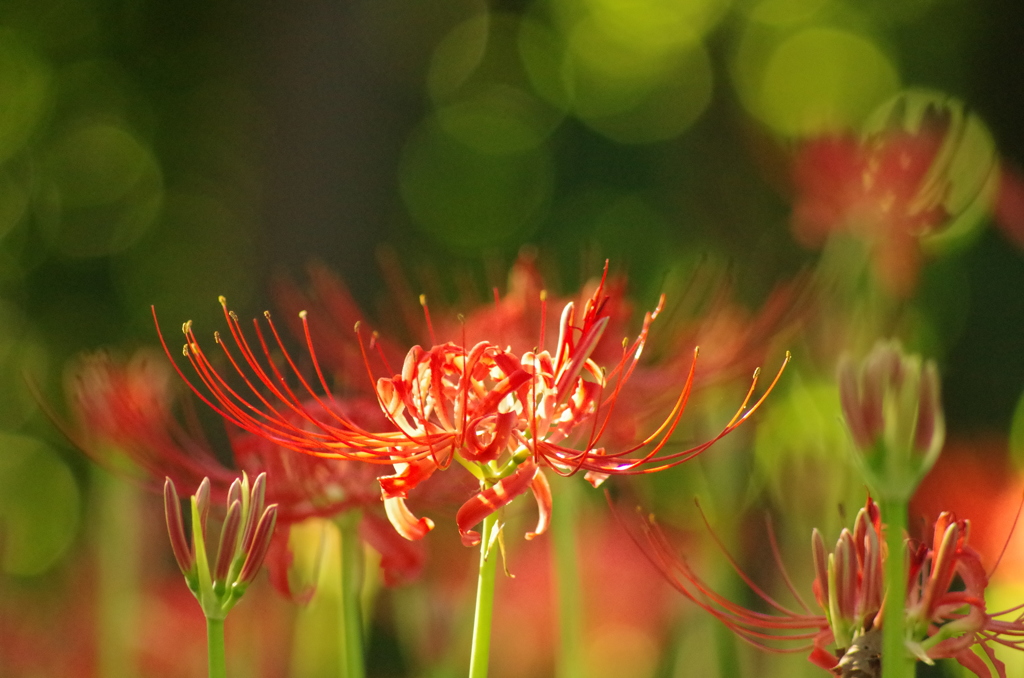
(542, 493)
(401, 560)
(404, 522)
(493, 498)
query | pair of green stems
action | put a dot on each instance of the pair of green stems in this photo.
(563, 535)
(350, 639)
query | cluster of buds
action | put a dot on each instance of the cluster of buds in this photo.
(942, 620)
(893, 410)
(244, 541)
(944, 608)
(848, 587)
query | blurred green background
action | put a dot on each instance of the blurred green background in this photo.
(159, 153)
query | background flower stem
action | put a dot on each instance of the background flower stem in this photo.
(569, 663)
(484, 600)
(117, 552)
(351, 622)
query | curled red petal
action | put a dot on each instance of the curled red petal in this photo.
(403, 520)
(542, 493)
(410, 475)
(503, 424)
(487, 501)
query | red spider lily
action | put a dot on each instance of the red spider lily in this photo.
(888, 189)
(945, 605)
(500, 414)
(127, 411)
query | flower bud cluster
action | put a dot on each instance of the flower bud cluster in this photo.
(893, 409)
(848, 583)
(244, 541)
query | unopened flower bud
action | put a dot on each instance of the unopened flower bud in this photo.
(239, 554)
(893, 409)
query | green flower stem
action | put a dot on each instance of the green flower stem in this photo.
(215, 647)
(896, 661)
(484, 600)
(351, 618)
(569, 663)
(726, 651)
(117, 552)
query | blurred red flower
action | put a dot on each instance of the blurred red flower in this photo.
(887, 189)
(944, 618)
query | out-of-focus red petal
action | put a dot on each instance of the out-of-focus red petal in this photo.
(279, 561)
(976, 665)
(820, 656)
(401, 560)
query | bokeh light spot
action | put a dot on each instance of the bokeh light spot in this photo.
(657, 25)
(24, 92)
(21, 353)
(823, 79)
(39, 506)
(669, 107)
(101, 190)
(785, 12)
(482, 90)
(469, 199)
(14, 197)
(631, 92)
(202, 250)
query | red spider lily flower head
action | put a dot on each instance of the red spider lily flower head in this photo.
(901, 181)
(503, 416)
(124, 412)
(945, 605)
(892, 407)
